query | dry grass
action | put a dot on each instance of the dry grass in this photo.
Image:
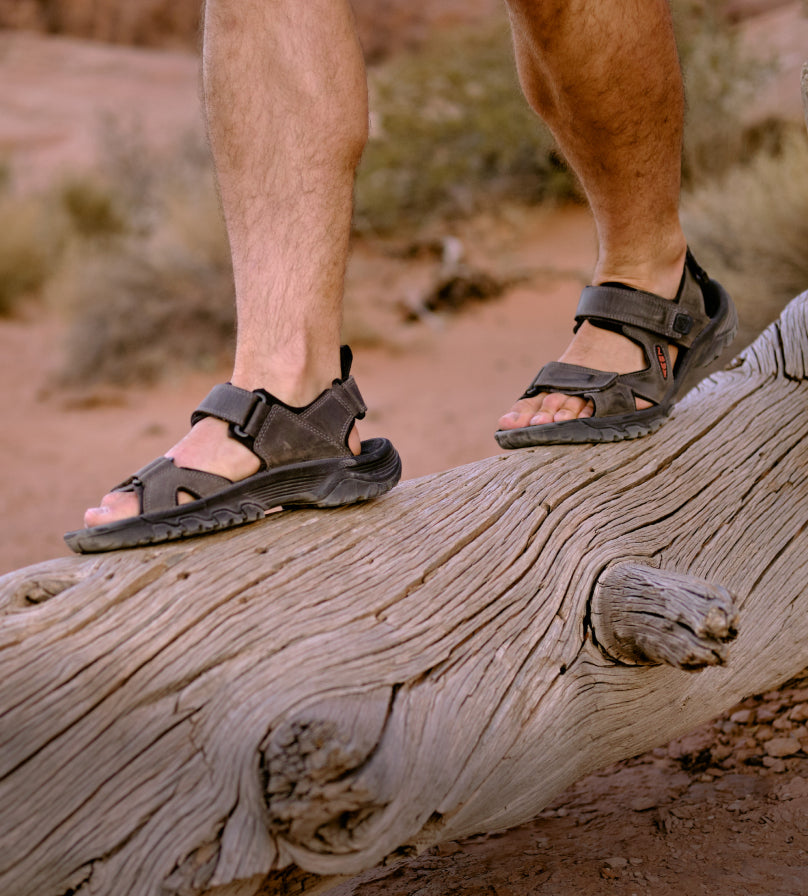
(152, 297)
(30, 247)
(720, 80)
(750, 230)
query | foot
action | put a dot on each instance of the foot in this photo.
(206, 447)
(598, 349)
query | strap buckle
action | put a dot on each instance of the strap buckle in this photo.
(254, 418)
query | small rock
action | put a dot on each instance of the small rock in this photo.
(795, 788)
(783, 746)
(740, 757)
(643, 803)
(615, 862)
(767, 713)
(799, 713)
(774, 765)
(799, 695)
(742, 716)
(783, 723)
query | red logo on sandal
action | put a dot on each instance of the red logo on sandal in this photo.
(663, 364)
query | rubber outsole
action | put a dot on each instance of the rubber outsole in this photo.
(710, 345)
(320, 483)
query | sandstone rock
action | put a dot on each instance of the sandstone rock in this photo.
(799, 713)
(783, 746)
(782, 723)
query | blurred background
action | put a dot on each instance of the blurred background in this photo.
(471, 241)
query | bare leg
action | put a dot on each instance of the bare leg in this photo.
(286, 101)
(605, 77)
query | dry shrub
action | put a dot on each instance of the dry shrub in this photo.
(30, 247)
(93, 209)
(750, 230)
(451, 133)
(151, 301)
(720, 81)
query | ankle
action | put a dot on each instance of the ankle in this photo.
(293, 379)
(660, 274)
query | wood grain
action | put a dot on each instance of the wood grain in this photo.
(312, 693)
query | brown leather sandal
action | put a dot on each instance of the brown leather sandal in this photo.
(305, 462)
(701, 321)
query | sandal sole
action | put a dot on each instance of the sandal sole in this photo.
(716, 337)
(320, 483)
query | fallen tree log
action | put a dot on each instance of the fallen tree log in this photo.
(266, 709)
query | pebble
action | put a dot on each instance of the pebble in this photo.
(799, 713)
(764, 733)
(767, 713)
(774, 765)
(795, 788)
(643, 803)
(783, 746)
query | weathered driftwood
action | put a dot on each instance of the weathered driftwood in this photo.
(641, 614)
(323, 689)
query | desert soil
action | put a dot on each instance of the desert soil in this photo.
(722, 811)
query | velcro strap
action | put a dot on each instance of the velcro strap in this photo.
(246, 410)
(636, 308)
(349, 396)
(570, 379)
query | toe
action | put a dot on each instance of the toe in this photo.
(553, 407)
(558, 408)
(114, 506)
(523, 412)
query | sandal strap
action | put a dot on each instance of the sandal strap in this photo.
(278, 433)
(635, 308)
(158, 484)
(678, 321)
(607, 391)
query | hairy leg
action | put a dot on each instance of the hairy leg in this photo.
(286, 103)
(605, 77)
